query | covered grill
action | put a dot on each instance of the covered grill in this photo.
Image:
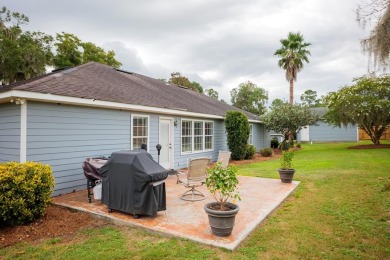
(91, 168)
(134, 183)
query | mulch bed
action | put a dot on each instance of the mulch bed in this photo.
(370, 146)
(57, 222)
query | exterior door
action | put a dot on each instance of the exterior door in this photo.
(305, 134)
(166, 138)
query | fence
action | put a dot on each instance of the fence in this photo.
(364, 136)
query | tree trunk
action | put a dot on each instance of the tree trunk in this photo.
(291, 91)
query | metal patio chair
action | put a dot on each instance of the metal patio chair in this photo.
(194, 177)
(224, 157)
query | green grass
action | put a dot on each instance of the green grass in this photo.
(341, 210)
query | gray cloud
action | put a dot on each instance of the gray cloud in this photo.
(218, 43)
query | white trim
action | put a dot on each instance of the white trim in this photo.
(52, 98)
(172, 136)
(23, 131)
(131, 130)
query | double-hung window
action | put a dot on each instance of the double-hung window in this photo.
(196, 136)
(250, 139)
(140, 131)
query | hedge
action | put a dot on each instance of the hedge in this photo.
(24, 192)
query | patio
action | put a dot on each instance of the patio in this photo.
(184, 219)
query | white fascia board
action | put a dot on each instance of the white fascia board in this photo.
(33, 96)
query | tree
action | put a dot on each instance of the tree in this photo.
(366, 103)
(23, 54)
(237, 130)
(276, 102)
(197, 87)
(212, 93)
(292, 53)
(377, 44)
(71, 51)
(289, 119)
(309, 98)
(68, 50)
(249, 97)
(179, 80)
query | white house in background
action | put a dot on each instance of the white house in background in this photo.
(324, 132)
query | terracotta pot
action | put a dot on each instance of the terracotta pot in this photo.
(286, 175)
(222, 222)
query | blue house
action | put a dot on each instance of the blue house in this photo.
(93, 110)
(323, 132)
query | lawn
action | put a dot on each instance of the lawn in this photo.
(341, 210)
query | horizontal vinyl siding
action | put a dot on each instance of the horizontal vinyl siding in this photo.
(258, 136)
(154, 135)
(63, 136)
(328, 133)
(9, 132)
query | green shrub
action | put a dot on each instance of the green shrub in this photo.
(274, 143)
(250, 151)
(266, 152)
(237, 129)
(24, 192)
(298, 145)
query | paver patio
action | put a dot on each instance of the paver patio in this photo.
(185, 219)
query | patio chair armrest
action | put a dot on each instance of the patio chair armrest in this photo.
(178, 173)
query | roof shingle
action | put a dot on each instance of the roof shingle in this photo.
(101, 82)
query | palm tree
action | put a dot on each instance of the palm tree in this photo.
(293, 52)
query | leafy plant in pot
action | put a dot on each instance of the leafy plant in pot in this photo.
(286, 173)
(222, 183)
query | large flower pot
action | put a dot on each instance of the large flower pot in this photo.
(286, 175)
(221, 222)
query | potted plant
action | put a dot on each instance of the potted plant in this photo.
(286, 173)
(222, 183)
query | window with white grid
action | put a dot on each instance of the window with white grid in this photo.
(140, 131)
(250, 139)
(196, 136)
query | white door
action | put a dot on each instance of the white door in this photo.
(305, 134)
(166, 137)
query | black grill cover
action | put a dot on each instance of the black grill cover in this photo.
(130, 183)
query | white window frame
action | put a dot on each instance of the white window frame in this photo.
(193, 136)
(250, 139)
(131, 130)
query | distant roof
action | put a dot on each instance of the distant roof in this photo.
(101, 82)
(319, 111)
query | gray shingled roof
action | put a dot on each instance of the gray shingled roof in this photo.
(101, 82)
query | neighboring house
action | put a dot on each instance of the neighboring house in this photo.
(91, 110)
(323, 132)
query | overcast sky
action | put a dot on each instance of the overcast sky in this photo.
(218, 43)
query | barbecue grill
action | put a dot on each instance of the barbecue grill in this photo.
(91, 168)
(133, 183)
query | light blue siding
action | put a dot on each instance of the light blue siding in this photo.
(328, 133)
(260, 136)
(9, 132)
(63, 136)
